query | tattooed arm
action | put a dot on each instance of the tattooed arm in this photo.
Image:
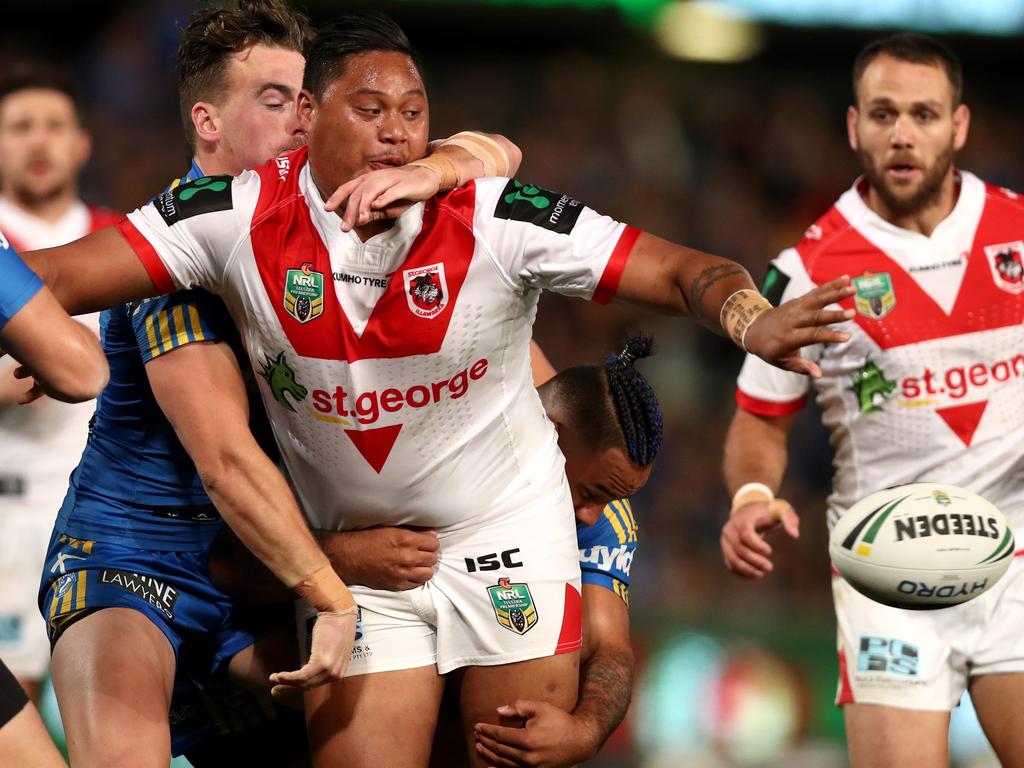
(672, 278)
(549, 737)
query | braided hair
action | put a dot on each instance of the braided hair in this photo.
(612, 404)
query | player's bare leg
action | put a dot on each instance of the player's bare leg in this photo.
(113, 673)
(891, 737)
(368, 721)
(552, 679)
(24, 741)
(1002, 723)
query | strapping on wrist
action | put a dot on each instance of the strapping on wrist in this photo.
(485, 149)
(739, 311)
(749, 492)
(445, 168)
(324, 590)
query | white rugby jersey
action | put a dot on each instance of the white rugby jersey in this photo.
(40, 444)
(929, 387)
(396, 372)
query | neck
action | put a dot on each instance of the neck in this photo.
(925, 218)
(325, 189)
(214, 163)
(49, 208)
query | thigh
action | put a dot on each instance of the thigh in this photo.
(366, 721)
(1003, 725)
(891, 737)
(24, 741)
(552, 679)
(113, 673)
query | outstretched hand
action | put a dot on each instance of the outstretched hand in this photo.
(744, 549)
(778, 335)
(383, 194)
(333, 636)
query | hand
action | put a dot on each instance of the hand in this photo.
(34, 392)
(390, 558)
(550, 738)
(373, 195)
(776, 336)
(333, 635)
(744, 549)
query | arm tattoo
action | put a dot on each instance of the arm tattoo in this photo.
(708, 277)
(606, 684)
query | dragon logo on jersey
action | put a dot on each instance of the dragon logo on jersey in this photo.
(426, 290)
(281, 379)
(875, 296)
(513, 606)
(1006, 261)
(872, 388)
(304, 293)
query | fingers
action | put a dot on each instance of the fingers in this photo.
(499, 753)
(737, 564)
(337, 200)
(830, 316)
(493, 760)
(829, 293)
(510, 737)
(31, 395)
(788, 517)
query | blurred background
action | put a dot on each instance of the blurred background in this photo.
(718, 125)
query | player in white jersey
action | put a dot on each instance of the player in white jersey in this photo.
(927, 388)
(43, 148)
(395, 367)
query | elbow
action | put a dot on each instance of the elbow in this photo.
(83, 371)
(515, 154)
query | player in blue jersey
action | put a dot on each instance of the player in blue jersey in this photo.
(127, 559)
(65, 359)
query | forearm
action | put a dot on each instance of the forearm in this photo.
(707, 282)
(606, 684)
(755, 451)
(471, 155)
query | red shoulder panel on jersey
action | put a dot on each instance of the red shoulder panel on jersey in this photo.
(768, 408)
(284, 239)
(613, 270)
(147, 255)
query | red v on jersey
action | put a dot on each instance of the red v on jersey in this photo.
(963, 419)
(284, 238)
(915, 316)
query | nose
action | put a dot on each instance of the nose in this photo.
(901, 132)
(393, 129)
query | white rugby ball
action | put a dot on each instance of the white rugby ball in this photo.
(922, 546)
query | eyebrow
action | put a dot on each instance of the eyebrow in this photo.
(884, 101)
(376, 92)
(283, 89)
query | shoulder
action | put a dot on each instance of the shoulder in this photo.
(1004, 199)
(101, 217)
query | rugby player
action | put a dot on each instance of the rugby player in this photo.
(43, 148)
(927, 388)
(127, 555)
(395, 402)
(66, 361)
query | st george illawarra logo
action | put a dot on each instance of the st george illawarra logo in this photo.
(426, 290)
(1007, 264)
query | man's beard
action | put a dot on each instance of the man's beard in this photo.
(928, 191)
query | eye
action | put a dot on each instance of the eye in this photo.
(412, 114)
(926, 116)
(881, 115)
(368, 110)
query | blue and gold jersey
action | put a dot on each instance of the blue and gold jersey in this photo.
(607, 548)
(135, 484)
(19, 283)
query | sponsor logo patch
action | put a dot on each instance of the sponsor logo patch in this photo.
(426, 290)
(513, 606)
(538, 206)
(204, 195)
(304, 293)
(887, 655)
(159, 594)
(1006, 261)
(281, 379)
(875, 296)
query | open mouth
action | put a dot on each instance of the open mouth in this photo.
(390, 161)
(902, 170)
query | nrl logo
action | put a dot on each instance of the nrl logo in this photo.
(875, 295)
(1006, 261)
(426, 290)
(513, 606)
(281, 379)
(304, 293)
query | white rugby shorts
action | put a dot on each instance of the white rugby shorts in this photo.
(924, 659)
(504, 590)
(24, 536)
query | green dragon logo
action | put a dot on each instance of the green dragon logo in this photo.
(281, 379)
(529, 194)
(872, 388)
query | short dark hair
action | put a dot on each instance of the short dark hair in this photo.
(349, 34)
(212, 35)
(28, 76)
(916, 49)
(613, 404)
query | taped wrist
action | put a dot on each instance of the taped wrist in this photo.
(485, 149)
(445, 168)
(325, 591)
(738, 313)
(749, 492)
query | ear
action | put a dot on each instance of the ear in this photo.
(851, 127)
(206, 121)
(961, 124)
(84, 149)
(307, 109)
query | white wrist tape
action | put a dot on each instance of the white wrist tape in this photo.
(749, 492)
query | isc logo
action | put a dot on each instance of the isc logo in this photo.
(494, 560)
(886, 654)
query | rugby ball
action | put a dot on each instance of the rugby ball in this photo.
(922, 546)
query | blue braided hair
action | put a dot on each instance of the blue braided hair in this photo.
(636, 405)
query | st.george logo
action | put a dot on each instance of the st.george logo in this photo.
(281, 378)
(1006, 261)
(304, 293)
(426, 290)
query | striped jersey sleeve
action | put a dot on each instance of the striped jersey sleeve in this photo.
(173, 321)
(607, 548)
